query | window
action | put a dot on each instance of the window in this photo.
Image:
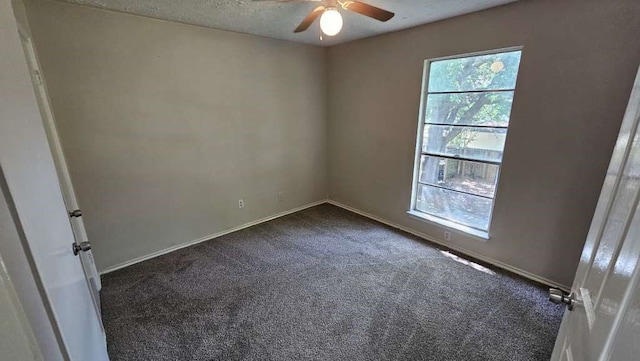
(463, 125)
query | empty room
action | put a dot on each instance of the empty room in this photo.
(319, 180)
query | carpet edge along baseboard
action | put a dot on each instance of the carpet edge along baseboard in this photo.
(208, 237)
(424, 236)
(499, 264)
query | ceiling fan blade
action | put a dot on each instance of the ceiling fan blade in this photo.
(313, 15)
(367, 10)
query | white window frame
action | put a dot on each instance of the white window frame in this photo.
(478, 234)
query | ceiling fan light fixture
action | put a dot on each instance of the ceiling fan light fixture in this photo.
(331, 22)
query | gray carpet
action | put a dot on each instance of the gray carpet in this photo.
(322, 284)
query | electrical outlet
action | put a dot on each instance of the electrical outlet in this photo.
(447, 235)
(240, 203)
(280, 197)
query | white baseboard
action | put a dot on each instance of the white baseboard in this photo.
(480, 257)
(488, 260)
(206, 238)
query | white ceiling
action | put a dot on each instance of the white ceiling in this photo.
(278, 20)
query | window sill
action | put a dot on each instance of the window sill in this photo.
(479, 235)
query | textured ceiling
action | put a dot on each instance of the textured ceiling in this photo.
(278, 20)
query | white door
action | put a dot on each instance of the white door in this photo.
(30, 185)
(86, 257)
(604, 323)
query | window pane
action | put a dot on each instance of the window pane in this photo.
(468, 142)
(491, 71)
(472, 211)
(470, 177)
(487, 109)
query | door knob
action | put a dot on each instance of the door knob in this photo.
(559, 297)
(84, 246)
(75, 213)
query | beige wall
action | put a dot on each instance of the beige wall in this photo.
(165, 126)
(577, 69)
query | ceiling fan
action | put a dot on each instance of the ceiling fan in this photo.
(330, 18)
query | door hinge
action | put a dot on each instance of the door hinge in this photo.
(75, 213)
(558, 297)
(38, 76)
(77, 248)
